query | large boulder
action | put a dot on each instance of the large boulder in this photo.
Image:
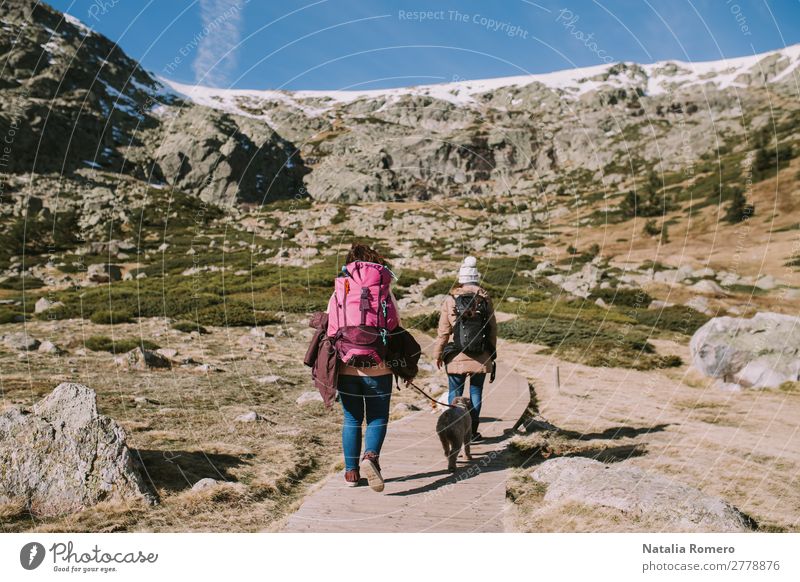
(64, 456)
(21, 341)
(641, 495)
(762, 352)
(144, 359)
(103, 273)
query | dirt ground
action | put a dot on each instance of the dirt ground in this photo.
(741, 446)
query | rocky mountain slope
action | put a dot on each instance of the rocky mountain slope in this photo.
(581, 129)
(72, 99)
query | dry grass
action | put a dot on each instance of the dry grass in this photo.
(741, 446)
(185, 429)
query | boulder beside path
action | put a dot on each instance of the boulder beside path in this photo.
(63, 456)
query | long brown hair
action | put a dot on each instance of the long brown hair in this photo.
(362, 252)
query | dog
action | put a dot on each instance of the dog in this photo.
(454, 428)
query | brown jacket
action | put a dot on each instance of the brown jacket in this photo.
(462, 363)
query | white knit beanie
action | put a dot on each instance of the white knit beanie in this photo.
(468, 273)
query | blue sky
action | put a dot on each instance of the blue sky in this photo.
(335, 44)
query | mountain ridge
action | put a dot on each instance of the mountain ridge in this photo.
(559, 79)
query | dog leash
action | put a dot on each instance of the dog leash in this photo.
(425, 394)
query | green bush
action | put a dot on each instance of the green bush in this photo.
(627, 297)
(17, 283)
(110, 317)
(603, 343)
(10, 315)
(233, 314)
(102, 343)
(188, 327)
(439, 287)
(423, 321)
(676, 318)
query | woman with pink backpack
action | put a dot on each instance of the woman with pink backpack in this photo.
(362, 312)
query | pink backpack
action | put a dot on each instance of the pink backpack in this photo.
(361, 313)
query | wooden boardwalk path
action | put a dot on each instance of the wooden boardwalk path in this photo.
(420, 494)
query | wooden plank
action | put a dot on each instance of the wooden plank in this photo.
(420, 495)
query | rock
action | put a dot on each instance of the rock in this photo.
(761, 352)
(729, 279)
(704, 273)
(582, 282)
(103, 273)
(402, 407)
(700, 304)
(205, 483)
(307, 397)
(145, 400)
(643, 495)
(791, 294)
(668, 277)
(656, 304)
(767, 282)
(64, 456)
(144, 359)
(251, 416)
(269, 379)
(48, 347)
(600, 303)
(208, 368)
(708, 287)
(168, 353)
(44, 304)
(21, 341)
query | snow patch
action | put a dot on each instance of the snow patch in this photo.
(652, 79)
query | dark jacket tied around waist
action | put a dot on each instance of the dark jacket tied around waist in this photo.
(321, 357)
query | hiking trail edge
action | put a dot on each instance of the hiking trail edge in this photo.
(421, 495)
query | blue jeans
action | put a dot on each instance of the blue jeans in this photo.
(455, 385)
(360, 393)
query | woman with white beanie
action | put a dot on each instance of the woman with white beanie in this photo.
(467, 317)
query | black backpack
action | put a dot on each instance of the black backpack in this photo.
(472, 324)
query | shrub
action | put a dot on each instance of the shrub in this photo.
(738, 210)
(423, 321)
(676, 318)
(439, 287)
(188, 327)
(591, 343)
(233, 314)
(628, 297)
(651, 228)
(102, 343)
(110, 317)
(10, 315)
(17, 283)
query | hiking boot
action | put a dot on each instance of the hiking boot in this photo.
(477, 437)
(372, 470)
(352, 477)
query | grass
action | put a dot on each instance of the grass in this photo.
(582, 332)
(439, 287)
(422, 322)
(676, 318)
(111, 317)
(101, 343)
(20, 283)
(627, 297)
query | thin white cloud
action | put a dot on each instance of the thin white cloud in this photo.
(218, 41)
